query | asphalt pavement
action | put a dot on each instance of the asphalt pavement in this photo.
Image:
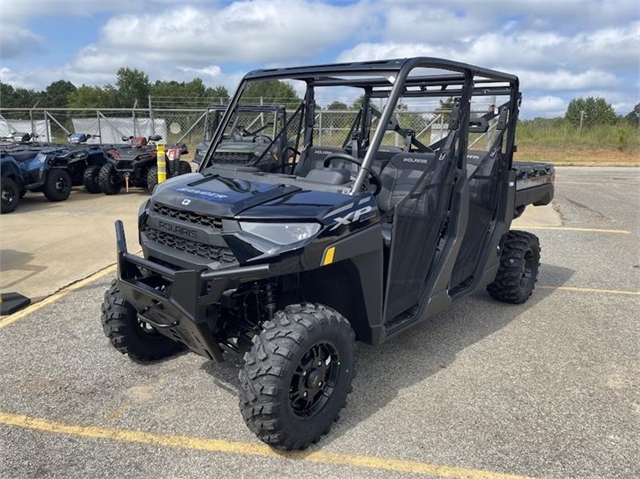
(484, 390)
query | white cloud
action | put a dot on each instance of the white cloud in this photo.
(564, 80)
(466, 18)
(210, 71)
(549, 106)
(255, 32)
(542, 50)
(15, 41)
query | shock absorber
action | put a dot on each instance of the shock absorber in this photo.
(269, 299)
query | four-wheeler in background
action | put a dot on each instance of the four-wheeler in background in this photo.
(85, 161)
(250, 138)
(38, 169)
(359, 244)
(136, 165)
(20, 138)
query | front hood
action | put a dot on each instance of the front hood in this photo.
(216, 196)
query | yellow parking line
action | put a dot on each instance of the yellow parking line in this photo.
(567, 228)
(589, 290)
(56, 296)
(233, 447)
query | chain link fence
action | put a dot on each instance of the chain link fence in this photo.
(332, 127)
(188, 126)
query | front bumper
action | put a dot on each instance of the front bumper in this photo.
(180, 304)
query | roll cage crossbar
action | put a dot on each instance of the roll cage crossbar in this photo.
(391, 79)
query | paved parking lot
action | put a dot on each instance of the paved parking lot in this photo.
(485, 390)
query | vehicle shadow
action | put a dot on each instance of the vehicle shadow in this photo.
(33, 202)
(411, 358)
(14, 260)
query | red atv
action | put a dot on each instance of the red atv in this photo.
(136, 165)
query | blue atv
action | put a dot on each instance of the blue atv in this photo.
(39, 169)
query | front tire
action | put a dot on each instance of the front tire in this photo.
(57, 186)
(297, 375)
(518, 271)
(128, 334)
(90, 179)
(152, 178)
(10, 195)
(109, 180)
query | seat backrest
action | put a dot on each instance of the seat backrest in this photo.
(400, 175)
(314, 158)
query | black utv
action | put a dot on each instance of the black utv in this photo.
(248, 140)
(136, 164)
(356, 244)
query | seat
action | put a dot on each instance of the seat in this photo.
(329, 176)
(398, 177)
(314, 159)
(23, 155)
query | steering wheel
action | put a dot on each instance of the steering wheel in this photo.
(268, 138)
(373, 176)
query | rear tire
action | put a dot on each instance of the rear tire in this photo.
(109, 179)
(297, 375)
(518, 271)
(57, 186)
(10, 195)
(90, 179)
(152, 178)
(128, 334)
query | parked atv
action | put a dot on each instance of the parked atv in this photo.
(250, 134)
(20, 138)
(289, 271)
(85, 161)
(136, 165)
(34, 169)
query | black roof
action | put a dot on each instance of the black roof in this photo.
(322, 74)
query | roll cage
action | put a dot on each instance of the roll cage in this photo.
(393, 80)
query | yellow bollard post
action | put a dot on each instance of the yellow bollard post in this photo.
(162, 163)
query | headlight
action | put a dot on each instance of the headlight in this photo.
(282, 234)
(41, 157)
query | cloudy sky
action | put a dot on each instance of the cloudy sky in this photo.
(561, 49)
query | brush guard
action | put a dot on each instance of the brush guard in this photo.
(180, 304)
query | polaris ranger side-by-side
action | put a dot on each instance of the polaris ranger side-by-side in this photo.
(348, 244)
(248, 137)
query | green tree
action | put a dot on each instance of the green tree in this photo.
(93, 97)
(11, 97)
(218, 94)
(357, 103)
(56, 95)
(271, 92)
(193, 94)
(133, 85)
(633, 116)
(337, 105)
(596, 112)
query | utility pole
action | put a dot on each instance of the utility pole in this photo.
(582, 116)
